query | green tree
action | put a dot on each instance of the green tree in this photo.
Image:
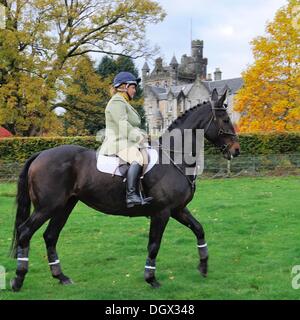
(85, 96)
(107, 67)
(42, 43)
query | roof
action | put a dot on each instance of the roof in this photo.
(185, 88)
(4, 133)
(159, 92)
(233, 84)
(146, 67)
(174, 61)
(162, 93)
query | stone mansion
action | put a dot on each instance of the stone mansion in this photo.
(171, 90)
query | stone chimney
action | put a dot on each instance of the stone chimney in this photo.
(218, 74)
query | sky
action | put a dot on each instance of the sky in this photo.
(225, 26)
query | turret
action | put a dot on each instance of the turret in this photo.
(174, 70)
(174, 64)
(145, 71)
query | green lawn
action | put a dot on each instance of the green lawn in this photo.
(252, 229)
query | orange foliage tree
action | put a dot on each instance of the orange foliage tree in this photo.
(270, 98)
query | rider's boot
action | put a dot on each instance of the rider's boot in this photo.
(133, 197)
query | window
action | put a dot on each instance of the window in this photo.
(182, 105)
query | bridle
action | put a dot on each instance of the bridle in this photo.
(225, 147)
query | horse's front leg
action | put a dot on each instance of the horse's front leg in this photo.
(157, 228)
(185, 217)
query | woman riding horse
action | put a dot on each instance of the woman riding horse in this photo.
(53, 181)
(123, 137)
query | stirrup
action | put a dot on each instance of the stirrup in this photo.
(131, 205)
(145, 200)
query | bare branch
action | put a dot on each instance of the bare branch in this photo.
(108, 53)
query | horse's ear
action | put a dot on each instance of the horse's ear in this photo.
(215, 96)
(222, 99)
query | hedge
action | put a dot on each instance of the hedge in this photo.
(19, 149)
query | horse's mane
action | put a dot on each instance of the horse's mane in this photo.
(182, 117)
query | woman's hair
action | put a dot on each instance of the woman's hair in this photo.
(114, 90)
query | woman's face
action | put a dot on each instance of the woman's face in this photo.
(131, 90)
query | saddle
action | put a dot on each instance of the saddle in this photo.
(116, 166)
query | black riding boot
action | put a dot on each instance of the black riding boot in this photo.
(133, 198)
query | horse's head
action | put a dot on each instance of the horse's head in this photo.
(219, 130)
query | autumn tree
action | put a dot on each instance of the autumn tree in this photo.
(44, 39)
(270, 98)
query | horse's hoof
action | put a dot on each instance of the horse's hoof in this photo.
(203, 271)
(14, 285)
(66, 281)
(154, 284)
(203, 268)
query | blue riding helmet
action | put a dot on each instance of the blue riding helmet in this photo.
(125, 77)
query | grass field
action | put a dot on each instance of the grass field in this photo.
(252, 230)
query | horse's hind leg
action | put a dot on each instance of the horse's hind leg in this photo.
(51, 235)
(25, 232)
(185, 217)
(157, 227)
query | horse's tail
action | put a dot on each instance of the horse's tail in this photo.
(23, 202)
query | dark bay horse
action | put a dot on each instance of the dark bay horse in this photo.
(54, 180)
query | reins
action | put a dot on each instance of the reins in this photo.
(190, 181)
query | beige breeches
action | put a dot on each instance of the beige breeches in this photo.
(134, 154)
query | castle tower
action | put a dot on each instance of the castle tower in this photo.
(199, 62)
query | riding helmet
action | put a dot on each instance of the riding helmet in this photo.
(125, 77)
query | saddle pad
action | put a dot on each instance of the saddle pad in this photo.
(109, 164)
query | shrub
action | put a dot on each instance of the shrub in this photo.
(20, 149)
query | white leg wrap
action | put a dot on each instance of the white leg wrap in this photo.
(149, 267)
